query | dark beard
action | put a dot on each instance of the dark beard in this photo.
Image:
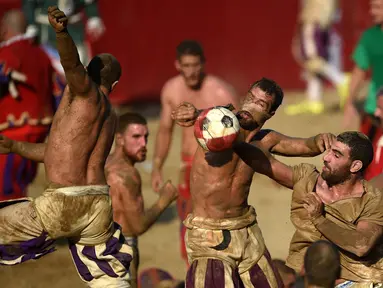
(335, 179)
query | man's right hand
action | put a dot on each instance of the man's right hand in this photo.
(156, 180)
(185, 114)
(57, 19)
(5, 145)
(169, 192)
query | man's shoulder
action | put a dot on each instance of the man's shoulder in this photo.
(123, 174)
(304, 171)
(215, 82)
(172, 83)
(372, 192)
(171, 86)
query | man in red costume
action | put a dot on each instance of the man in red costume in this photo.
(26, 101)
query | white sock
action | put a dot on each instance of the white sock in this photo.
(333, 74)
(314, 89)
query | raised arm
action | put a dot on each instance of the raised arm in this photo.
(263, 162)
(31, 151)
(280, 144)
(126, 194)
(359, 241)
(75, 73)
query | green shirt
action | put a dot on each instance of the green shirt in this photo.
(369, 54)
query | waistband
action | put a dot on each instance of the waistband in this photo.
(247, 219)
(81, 190)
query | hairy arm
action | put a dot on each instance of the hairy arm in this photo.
(280, 144)
(31, 151)
(75, 73)
(126, 194)
(264, 163)
(359, 241)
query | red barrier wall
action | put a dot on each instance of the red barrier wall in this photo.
(243, 40)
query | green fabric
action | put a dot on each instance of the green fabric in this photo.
(368, 54)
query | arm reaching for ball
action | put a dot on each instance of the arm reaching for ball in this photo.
(280, 144)
(30, 151)
(186, 113)
(264, 163)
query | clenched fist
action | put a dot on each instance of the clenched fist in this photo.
(185, 114)
(57, 19)
(5, 145)
(169, 192)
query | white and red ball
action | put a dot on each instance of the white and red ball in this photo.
(216, 129)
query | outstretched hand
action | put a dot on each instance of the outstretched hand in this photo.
(185, 114)
(5, 145)
(57, 18)
(324, 141)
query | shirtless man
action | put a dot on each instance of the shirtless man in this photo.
(203, 90)
(76, 205)
(224, 243)
(125, 184)
(336, 204)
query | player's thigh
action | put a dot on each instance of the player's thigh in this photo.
(205, 272)
(18, 222)
(106, 264)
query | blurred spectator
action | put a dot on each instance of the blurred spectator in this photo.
(26, 101)
(203, 90)
(367, 55)
(288, 274)
(376, 166)
(38, 25)
(321, 265)
(311, 49)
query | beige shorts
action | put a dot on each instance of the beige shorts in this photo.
(81, 214)
(227, 252)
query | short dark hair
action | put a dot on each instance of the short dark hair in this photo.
(129, 118)
(322, 264)
(104, 69)
(360, 147)
(190, 47)
(270, 87)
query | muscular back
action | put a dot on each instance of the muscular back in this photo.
(80, 139)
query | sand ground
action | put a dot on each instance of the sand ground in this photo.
(159, 247)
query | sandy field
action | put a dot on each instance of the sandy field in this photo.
(159, 247)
